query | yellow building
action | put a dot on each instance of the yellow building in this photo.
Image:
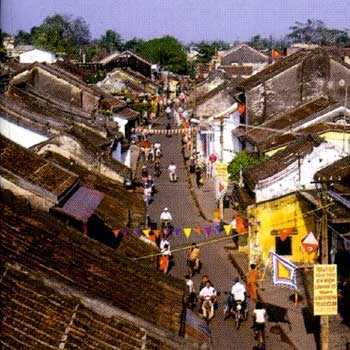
(287, 215)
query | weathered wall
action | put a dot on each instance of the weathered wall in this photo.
(216, 104)
(339, 78)
(278, 214)
(315, 74)
(71, 149)
(56, 87)
(35, 199)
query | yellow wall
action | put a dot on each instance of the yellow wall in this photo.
(338, 138)
(278, 214)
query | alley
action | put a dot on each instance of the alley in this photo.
(177, 197)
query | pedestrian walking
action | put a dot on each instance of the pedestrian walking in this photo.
(199, 180)
(252, 283)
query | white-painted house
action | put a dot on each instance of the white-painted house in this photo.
(20, 135)
(292, 169)
(37, 55)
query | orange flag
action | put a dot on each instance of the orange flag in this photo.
(275, 54)
(198, 230)
(116, 233)
(241, 108)
(284, 233)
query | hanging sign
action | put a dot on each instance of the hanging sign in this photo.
(310, 243)
(325, 290)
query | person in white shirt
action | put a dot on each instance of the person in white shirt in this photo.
(172, 171)
(259, 317)
(238, 290)
(164, 245)
(165, 216)
(208, 292)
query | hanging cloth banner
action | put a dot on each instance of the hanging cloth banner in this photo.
(284, 233)
(284, 272)
(227, 229)
(146, 232)
(187, 231)
(310, 243)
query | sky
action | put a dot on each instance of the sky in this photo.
(187, 20)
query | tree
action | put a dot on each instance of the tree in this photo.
(166, 51)
(22, 37)
(61, 34)
(111, 41)
(242, 160)
(134, 44)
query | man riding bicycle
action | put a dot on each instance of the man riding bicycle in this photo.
(238, 294)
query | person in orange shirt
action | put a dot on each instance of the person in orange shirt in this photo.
(252, 282)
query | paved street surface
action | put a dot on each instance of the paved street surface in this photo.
(216, 264)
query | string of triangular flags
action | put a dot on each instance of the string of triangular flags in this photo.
(187, 231)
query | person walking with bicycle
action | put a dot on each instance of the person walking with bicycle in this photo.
(259, 318)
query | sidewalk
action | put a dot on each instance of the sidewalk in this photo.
(290, 320)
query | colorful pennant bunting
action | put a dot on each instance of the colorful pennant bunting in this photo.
(284, 233)
(146, 232)
(177, 231)
(227, 229)
(198, 230)
(116, 233)
(207, 230)
(187, 231)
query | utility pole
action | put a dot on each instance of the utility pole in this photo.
(324, 260)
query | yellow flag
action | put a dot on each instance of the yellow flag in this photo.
(227, 229)
(146, 232)
(187, 231)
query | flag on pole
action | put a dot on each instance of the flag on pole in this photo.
(275, 54)
(284, 272)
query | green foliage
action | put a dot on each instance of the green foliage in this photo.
(134, 44)
(61, 34)
(111, 41)
(166, 51)
(98, 76)
(22, 38)
(315, 32)
(242, 160)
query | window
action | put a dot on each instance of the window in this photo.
(283, 247)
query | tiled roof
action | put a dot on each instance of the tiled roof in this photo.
(238, 70)
(128, 114)
(282, 159)
(278, 67)
(38, 241)
(42, 314)
(17, 162)
(243, 53)
(338, 170)
(119, 208)
(288, 120)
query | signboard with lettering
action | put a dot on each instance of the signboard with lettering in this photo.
(325, 290)
(221, 171)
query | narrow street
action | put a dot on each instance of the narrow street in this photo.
(216, 264)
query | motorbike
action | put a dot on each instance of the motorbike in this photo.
(239, 310)
(192, 267)
(157, 169)
(172, 176)
(207, 309)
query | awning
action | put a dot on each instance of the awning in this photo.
(82, 204)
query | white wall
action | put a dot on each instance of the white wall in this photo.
(294, 178)
(20, 135)
(37, 56)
